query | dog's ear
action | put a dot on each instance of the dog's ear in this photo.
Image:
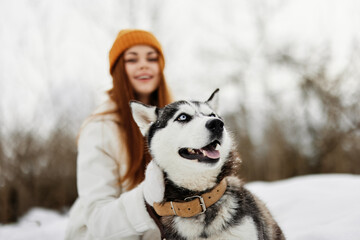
(143, 115)
(214, 100)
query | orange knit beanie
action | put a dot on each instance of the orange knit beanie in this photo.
(131, 37)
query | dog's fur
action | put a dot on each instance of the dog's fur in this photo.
(183, 125)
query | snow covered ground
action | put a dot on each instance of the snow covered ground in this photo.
(37, 224)
(315, 207)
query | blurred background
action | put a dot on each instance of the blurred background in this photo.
(288, 73)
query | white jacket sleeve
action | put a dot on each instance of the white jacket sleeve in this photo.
(110, 214)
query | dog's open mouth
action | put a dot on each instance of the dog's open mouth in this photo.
(208, 154)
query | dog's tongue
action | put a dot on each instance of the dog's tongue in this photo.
(214, 154)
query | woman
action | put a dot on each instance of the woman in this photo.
(111, 152)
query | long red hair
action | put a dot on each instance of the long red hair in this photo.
(121, 93)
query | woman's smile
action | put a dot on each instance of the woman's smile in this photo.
(144, 76)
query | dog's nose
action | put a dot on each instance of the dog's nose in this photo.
(215, 125)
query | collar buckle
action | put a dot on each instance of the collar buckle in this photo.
(202, 203)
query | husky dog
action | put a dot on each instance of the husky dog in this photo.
(204, 198)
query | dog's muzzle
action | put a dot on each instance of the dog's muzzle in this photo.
(206, 154)
(209, 153)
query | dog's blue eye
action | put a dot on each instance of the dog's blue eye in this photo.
(212, 115)
(183, 118)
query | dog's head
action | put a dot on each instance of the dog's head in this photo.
(187, 139)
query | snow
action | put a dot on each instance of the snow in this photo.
(308, 207)
(314, 207)
(37, 224)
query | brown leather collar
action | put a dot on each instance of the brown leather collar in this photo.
(197, 205)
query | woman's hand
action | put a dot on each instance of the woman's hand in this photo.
(153, 186)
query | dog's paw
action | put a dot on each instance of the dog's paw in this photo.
(153, 186)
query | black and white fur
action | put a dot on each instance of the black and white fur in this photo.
(185, 125)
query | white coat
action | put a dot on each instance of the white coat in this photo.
(104, 209)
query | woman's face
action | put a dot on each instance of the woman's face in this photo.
(143, 70)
